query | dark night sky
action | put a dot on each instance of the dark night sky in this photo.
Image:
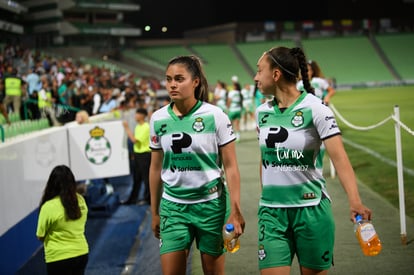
(182, 15)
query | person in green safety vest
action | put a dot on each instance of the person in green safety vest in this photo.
(14, 88)
(45, 103)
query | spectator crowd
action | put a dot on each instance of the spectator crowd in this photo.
(38, 85)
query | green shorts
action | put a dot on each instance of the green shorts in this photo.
(248, 108)
(235, 115)
(308, 232)
(182, 223)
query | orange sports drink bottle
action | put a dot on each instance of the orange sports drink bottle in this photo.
(367, 237)
(231, 243)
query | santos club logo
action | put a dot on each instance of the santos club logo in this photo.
(98, 147)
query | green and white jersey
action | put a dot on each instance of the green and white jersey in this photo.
(248, 95)
(289, 143)
(192, 168)
(235, 101)
(320, 85)
(222, 96)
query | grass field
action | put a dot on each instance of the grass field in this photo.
(367, 107)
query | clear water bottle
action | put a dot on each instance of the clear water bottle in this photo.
(367, 237)
(231, 243)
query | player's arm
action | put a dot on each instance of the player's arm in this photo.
(336, 151)
(330, 92)
(232, 174)
(156, 189)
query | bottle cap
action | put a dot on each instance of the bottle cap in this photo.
(229, 227)
(358, 218)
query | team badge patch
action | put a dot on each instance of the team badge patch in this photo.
(261, 253)
(297, 120)
(198, 124)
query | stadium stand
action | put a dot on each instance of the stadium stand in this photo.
(162, 54)
(251, 50)
(350, 60)
(398, 47)
(221, 63)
